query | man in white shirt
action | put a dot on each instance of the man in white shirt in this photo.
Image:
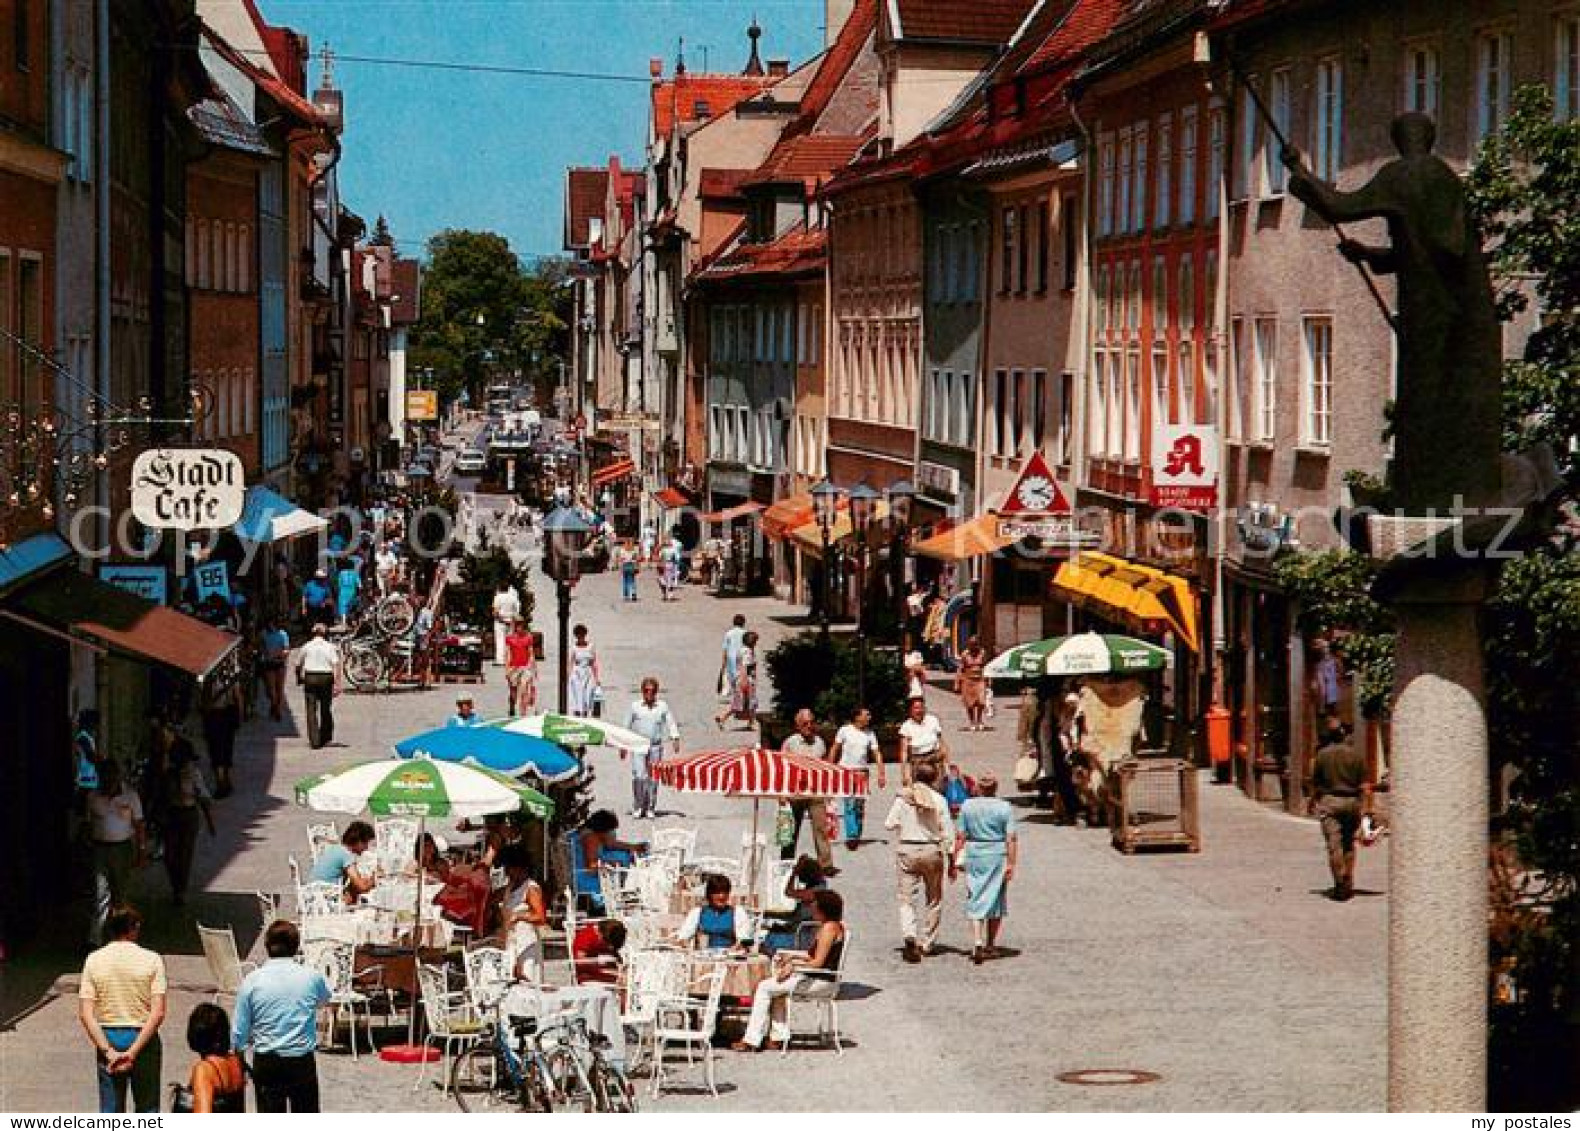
(318, 668)
(115, 825)
(507, 610)
(384, 566)
(856, 748)
(809, 744)
(920, 819)
(651, 718)
(921, 740)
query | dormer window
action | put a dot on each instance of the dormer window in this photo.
(701, 110)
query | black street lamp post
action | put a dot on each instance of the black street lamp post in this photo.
(825, 506)
(900, 495)
(565, 538)
(863, 509)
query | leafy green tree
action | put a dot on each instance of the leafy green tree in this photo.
(1525, 193)
(474, 298)
(381, 236)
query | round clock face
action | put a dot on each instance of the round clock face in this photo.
(1036, 493)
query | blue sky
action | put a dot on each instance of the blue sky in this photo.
(436, 149)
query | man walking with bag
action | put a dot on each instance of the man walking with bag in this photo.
(920, 818)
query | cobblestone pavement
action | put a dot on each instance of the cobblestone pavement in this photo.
(1224, 973)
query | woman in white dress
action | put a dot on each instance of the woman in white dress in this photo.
(524, 915)
(586, 678)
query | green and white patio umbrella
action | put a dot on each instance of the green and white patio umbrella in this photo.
(1086, 653)
(422, 788)
(419, 787)
(567, 730)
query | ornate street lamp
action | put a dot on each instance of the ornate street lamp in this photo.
(825, 506)
(901, 496)
(863, 509)
(566, 535)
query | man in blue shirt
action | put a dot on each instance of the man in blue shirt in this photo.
(277, 1015)
(318, 603)
(337, 863)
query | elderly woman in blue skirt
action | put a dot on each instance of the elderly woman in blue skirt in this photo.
(985, 848)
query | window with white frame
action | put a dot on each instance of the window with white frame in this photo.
(1064, 443)
(1105, 185)
(1264, 407)
(965, 409)
(1239, 380)
(1138, 215)
(786, 332)
(1250, 130)
(1186, 300)
(1187, 178)
(1186, 378)
(1009, 236)
(1328, 121)
(1494, 58)
(1115, 423)
(1317, 382)
(1100, 297)
(1566, 67)
(1215, 156)
(1163, 210)
(1096, 412)
(1020, 410)
(1126, 170)
(999, 440)
(1133, 321)
(1160, 293)
(1133, 404)
(743, 430)
(1278, 99)
(1039, 408)
(1159, 380)
(1423, 81)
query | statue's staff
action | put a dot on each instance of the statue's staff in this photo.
(1285, 149)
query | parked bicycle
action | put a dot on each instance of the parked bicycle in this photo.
(556, 1064)
(380, 645)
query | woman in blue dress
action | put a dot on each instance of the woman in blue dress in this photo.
(583, 684)
(720, 923)
(985, 847)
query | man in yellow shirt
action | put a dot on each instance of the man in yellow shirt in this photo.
(121, 1008)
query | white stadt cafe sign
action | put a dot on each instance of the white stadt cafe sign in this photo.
(188, 489)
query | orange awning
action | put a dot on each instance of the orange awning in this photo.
(1131, 593)
(614, 471)
(973, 539)
(730, 514)
(808, 537)
(672, 498)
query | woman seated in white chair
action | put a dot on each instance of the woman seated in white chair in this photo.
(792, 971)
(720, 923)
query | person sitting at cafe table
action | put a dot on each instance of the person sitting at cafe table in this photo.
(598, 842)
(338, 863)
(523, 914)
(596, 951)
(460, 891)
(786, 930)
(720, 923)
(791, 971)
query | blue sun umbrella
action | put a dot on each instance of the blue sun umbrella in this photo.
(493, 749)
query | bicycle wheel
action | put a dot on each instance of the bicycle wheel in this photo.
(612, 1091)
(476, 1081)
(395, 616)
(364, 668)
(573, 1090)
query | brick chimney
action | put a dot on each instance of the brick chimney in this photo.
(778, 68)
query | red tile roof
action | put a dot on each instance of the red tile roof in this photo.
(680, 98)
(1088, 21)
(722, 184)
(836, 64)
(980, 21)
(809, 159)
(797, 252)
(585, 190)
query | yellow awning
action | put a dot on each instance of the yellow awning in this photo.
(808, 537)
(973, 539)
(1131, 593)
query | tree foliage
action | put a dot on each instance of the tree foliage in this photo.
(485, 316)
(1332, 590)
(1525, 192)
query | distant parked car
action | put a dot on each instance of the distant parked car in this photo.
(471, 462)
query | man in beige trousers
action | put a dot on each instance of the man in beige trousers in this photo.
(920, 819)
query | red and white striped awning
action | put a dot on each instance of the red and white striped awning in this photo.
(756, 772)
(612, 472)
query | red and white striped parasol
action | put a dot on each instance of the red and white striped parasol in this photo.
(759, 773)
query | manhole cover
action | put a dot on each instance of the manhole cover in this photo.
(1108, 1077)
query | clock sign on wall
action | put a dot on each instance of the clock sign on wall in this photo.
(1036, 491)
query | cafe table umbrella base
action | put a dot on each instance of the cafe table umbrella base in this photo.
(418, 787)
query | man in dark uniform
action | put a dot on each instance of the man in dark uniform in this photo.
(1340, 794)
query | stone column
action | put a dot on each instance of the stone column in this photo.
(1437, 915)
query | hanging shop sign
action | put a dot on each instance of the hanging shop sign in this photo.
(188, 489)
(1036, 507)
(1185, 466)
(422, 404)
(146, 581)
(212, 579)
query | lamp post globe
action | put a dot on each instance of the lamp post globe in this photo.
(566, 535)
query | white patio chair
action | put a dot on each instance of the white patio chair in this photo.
(394, 842)
(824, 994)
(651, 883)
(648, 978)
(224, 961)
(683, 1022)
(619, 898)
(335, 960)
(703, 866)
(318, 897)
(268, 907)
(673, 838)
(776, 877)
(453, 1023)
(487, 978)
(320, 837)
